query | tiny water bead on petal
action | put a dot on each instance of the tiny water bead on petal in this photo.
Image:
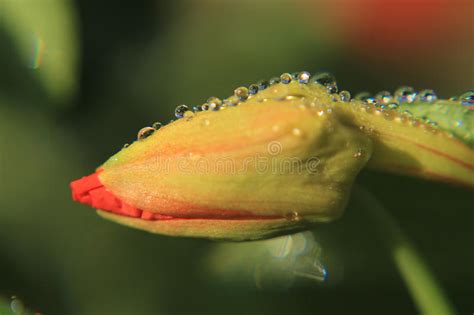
(253, 89)
(405, 94)
(371, 100)
(157, 125)
(180, 110)
(327, 80)
(274, 80)
(188, 114)
(303, 77)
(242, 93)
(215, 103)
(205, 107)
(393, 105)
(467, 98)
(145, 133)
(231, 101)
(383, 97)
(345, 96)
(285, 78)
(362, 96)
(428, 96)
(262, 85)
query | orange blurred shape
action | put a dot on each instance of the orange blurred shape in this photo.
(402, 26)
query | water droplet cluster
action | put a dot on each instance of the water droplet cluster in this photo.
(241, 94)
(390, 106)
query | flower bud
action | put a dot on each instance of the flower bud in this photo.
(247, 172)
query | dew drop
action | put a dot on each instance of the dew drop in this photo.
(126, 145)
(180, 110)
(303, 77)
(145, 133)
(157, 125)
(383, 97)
(286, 78)
(405, 94)
(206, 122)
(274, 80)
(327, 80)
(467, 98)
(345, 96)
(231, 101)
(371, 100)
(215, 103)
(392, 105)
(205, 107)
(262, 85)
(242, 93)
(362, 96)
(427, 96)
(253, 89)
(188, 115)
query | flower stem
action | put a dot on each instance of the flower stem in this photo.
(425, 290)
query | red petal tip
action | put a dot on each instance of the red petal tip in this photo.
(90, 191)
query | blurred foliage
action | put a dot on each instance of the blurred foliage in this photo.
(44, 35)
(139, 60)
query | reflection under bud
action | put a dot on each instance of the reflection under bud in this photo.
(277, 263)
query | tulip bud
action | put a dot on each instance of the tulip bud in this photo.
(275, 164)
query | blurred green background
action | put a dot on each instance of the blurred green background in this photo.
(79, 78)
